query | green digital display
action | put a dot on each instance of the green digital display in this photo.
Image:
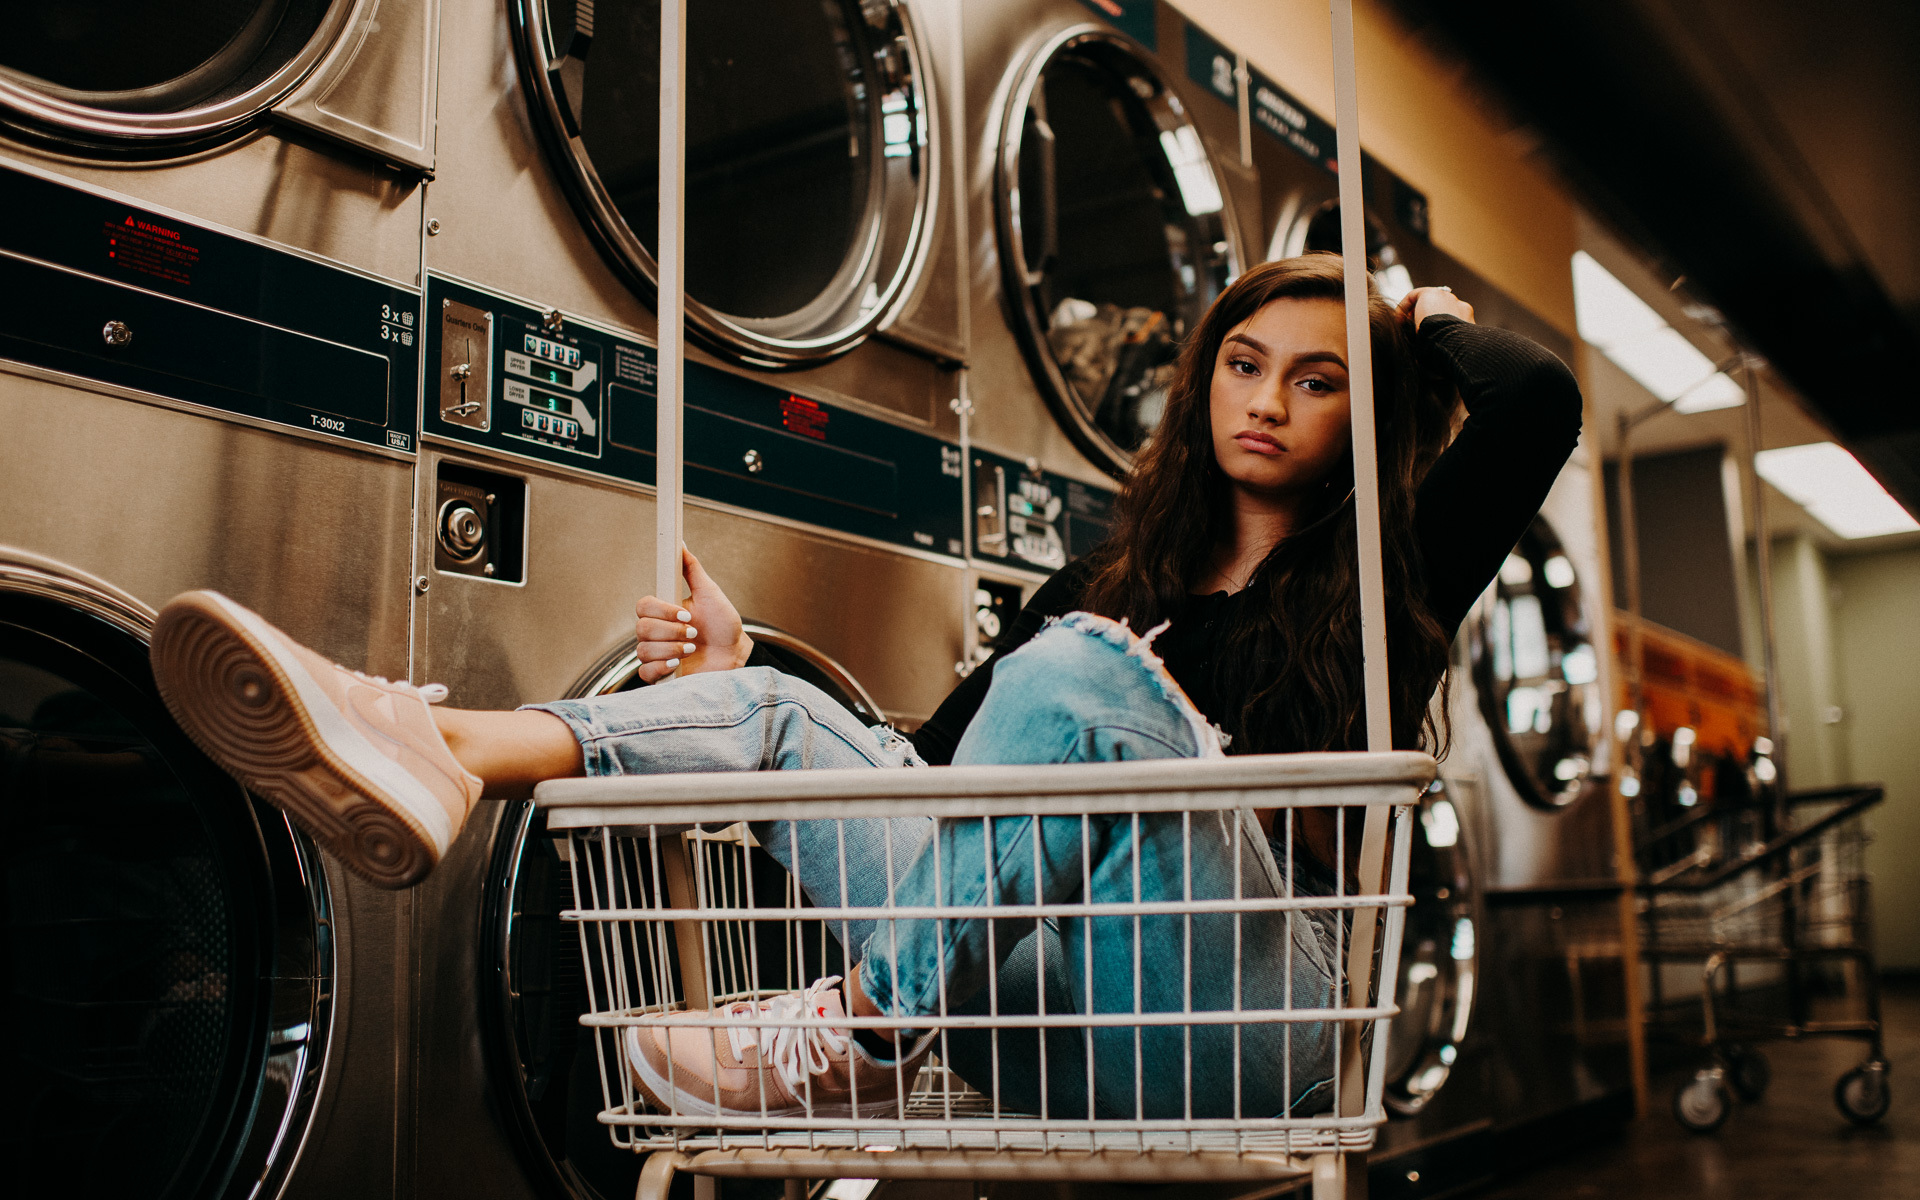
(552, 404)
(548, 373)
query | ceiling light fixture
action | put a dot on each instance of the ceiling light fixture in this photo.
(1830, 483)
(1625, 328)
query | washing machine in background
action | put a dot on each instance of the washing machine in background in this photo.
(1102, 225)
(534, 981)
(1525, 978)
(208, 378)
(822, 309)
(822, 453)
(172, 947)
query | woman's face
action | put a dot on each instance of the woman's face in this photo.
(1279, 398)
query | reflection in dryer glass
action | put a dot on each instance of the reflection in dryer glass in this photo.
(1121, 237)
(797, 119)
(1439, 963)
(1537, 672)
(541, 1054)
(143, 57)
(122, 1013)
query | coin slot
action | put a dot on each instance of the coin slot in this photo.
(479, 523)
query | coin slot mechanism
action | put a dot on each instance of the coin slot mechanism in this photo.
(479, 523)
(466, 365)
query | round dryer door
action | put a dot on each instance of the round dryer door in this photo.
(542, 1059)
(1318, 232)
(1537, 672)
(168, 946)
(808, 177)
(1439, 956)
(122, 74)
(1113, 239)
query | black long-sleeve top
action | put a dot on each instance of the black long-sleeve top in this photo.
(1523, 420)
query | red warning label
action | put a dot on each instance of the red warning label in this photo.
(804, 417)
(150, 248)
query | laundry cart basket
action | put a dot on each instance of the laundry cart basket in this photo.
(1791, 913)
(1194, 993)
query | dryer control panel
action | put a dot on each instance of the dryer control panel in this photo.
(95, 287)
(539, 384)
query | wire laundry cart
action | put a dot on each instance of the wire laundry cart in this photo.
(1795, 905)
(1154, 1017)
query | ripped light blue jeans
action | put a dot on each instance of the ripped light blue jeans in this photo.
(1085, 689)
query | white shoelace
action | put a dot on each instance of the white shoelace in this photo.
(432, 693)
(795, 1052)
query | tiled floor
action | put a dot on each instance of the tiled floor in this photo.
(1792, 1143)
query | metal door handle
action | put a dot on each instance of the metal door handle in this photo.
(568, 74)
(1049, 198)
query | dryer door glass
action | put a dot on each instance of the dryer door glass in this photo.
(1439, 955)
(1537, 672)
(805, 172)
(1318, 232)
(156, 1043)
(542, 1059)
(1113, 239)
(116, 72)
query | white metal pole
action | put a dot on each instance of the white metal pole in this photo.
(1354, 1091)
(671, 262)
(1366, 468)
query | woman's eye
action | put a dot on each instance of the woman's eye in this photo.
(1318, 387)
(1242, 366)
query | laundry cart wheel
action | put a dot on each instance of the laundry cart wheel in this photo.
(1749, 1072)
(1703, 1102)
(1862, 1094)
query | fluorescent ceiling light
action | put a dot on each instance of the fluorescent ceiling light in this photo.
(1719, 391)
(1832, 485)
(1625, 328)
(1198, 190)
(1605, 310)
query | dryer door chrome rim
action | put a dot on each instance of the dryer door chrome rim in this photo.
(1439, 956)
(170, 938)
(1114, 234)
(809, 166)
(126, 77)
(542, 1060)
(1537, 672)
(1318, 232)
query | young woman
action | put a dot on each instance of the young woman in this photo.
(1222, 612)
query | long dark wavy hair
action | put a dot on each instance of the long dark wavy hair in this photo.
(1295, 653)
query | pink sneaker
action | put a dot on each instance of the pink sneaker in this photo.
(357, 761)
(747, 1068)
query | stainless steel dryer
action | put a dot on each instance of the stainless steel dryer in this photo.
(173, 955)
(533, 979)
(822, 282)
(823, 463)
(208, 378)
(1104, 226)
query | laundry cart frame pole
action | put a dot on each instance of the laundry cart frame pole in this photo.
(1366, 501)
(670, 370)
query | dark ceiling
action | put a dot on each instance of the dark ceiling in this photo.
(1767, 150)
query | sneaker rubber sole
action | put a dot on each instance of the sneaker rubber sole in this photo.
(653, 1086)
(240, 703)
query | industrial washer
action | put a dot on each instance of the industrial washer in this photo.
(208, 378)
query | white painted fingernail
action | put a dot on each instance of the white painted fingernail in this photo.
(673, 664)
(687, 647)
(685, 615)
(692, 632)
